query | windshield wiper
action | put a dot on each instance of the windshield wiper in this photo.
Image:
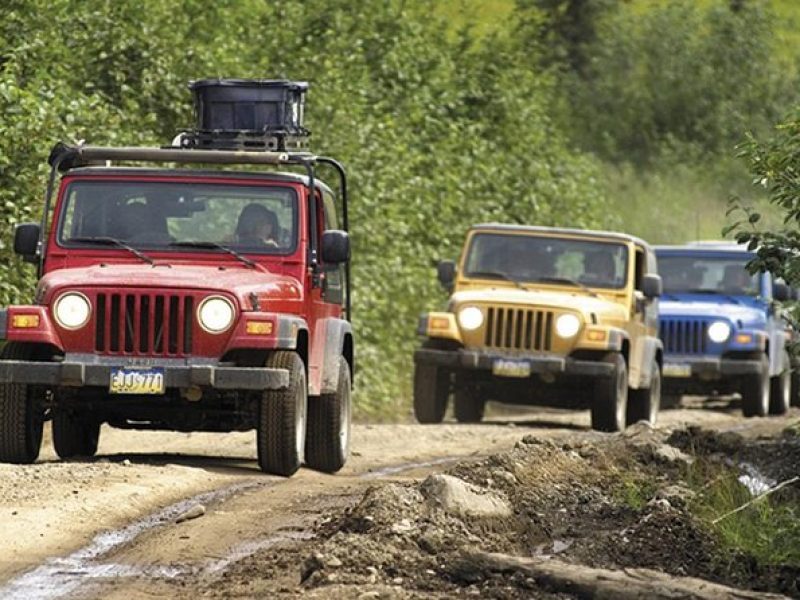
(569, 281)
(497, 275)
(110, 241)
(216, 246)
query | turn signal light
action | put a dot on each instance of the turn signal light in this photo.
(25, 321)
(596, 335)
(744, 338)
(259, 327)
(439, 323)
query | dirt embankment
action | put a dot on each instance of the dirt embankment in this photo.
(611, 505)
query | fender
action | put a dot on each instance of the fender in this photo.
(288, 328)
(330, 343)
(650, 347)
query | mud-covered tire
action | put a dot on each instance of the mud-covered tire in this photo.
(329, 418)
(21, 422)
(609, 406)
(281, 427)
(75, 434)
(755, 391)
(431, 392)
(644, 404)
(780, 390)
(468, 406)
(795, 395)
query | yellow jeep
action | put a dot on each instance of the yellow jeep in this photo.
(546, 316)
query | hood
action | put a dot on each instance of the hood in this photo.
(579, 302)
(241, 282)
(746, 315)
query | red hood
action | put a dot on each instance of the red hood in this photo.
(242, 283)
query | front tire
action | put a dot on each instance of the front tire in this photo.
(755, 392)
(281, 428)
(75, 435)
(431, 392)
(21, 422)
(609, 408)
(468, 406)
(328, 436)
(780, 390)
(644, 404)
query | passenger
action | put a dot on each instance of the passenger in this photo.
(257, 226)
(139, 222)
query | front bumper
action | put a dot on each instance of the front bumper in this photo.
(477, 360)
(82, 374)
(708, 368)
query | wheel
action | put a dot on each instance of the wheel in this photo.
(670, 400)
(431, 391)
(644, 404)
(281, 428)
(755, 391)
(75, 434)
(609, 408)
(328, 436)
(780, 390)
(468, 405)
(21, 422)
(795, 388)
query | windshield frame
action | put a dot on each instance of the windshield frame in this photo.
(184, 179)
(464, 274)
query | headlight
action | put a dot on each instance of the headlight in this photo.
(567, 325)
(215, 314)
(719, 332)
(470, 318)
(72, 310)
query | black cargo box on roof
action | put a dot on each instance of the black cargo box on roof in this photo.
(248, 114)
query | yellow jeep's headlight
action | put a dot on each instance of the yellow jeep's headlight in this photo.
(567, 326)
(215, 314)
(72, 310)
(719, 331)
(470, 318)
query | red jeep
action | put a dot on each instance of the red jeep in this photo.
(188, 299)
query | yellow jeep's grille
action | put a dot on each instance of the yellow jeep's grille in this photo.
(518, 329)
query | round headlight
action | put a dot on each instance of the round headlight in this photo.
(215, 314)
(470, 318)
(567, 325)
(719, 332)
(72, 310)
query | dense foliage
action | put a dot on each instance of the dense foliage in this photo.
(439, 127)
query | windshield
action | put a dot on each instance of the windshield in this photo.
(528, 258)
(164, 215)
(707, 274)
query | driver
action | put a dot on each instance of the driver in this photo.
(257, 226)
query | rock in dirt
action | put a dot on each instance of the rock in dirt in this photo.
(198, 510)
(458, 497)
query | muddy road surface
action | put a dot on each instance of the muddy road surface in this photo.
(185, 515)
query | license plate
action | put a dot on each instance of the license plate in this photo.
(503, 367)
(136, 381)
(677, 370)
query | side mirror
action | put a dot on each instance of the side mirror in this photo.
(781, 292)
(26, 241)
(446, 273)
(335, 246)
(651, 286)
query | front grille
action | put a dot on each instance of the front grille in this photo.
(149, 324)
(519, 329)
(683, 336)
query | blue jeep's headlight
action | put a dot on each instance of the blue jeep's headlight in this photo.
(719, 332)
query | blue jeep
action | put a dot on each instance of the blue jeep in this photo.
(722, 328)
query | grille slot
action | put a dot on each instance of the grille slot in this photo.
(683, 336)
(144, 323)
(518, 329)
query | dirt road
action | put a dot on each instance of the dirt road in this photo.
(107, 527)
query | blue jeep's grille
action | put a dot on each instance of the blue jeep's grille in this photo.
(683, 336)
